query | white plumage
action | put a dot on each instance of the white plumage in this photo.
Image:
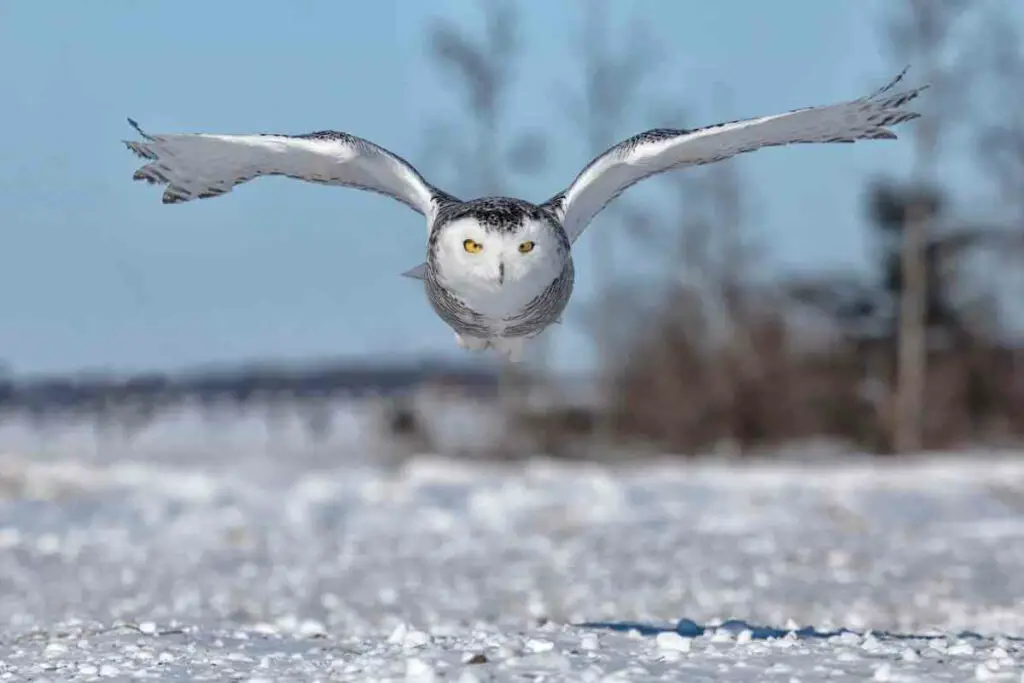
(495, 294)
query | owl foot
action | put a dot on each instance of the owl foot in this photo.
(512, 347)
(471, 343)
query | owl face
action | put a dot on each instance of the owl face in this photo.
(514, 261)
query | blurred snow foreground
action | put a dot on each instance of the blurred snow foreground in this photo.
(284, 569)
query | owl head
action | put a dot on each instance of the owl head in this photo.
(500, 244)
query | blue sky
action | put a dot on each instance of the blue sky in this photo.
(96, 273)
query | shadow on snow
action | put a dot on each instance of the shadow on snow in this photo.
(691, 629)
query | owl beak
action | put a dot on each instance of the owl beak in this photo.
(501, 272)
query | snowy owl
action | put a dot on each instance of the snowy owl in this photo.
(498, 270)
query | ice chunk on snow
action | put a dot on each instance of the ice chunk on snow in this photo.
(670, 640)
(419, 671)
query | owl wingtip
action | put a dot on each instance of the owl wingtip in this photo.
(138, 129)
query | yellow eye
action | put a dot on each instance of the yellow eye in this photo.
(472, 247)
(526, 247)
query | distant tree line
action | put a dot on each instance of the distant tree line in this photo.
(60, 397)
(818, 355)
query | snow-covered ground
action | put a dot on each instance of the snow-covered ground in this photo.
(301, 569)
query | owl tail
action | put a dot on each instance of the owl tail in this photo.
(417, 273)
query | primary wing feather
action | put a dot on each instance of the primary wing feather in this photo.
(202, 165)
(658, 150)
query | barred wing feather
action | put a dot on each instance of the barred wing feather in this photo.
(659, 150)
(202, 165)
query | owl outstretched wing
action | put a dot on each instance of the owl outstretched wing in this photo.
(659, 150)
(202, 165)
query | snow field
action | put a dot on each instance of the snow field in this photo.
(446, 570)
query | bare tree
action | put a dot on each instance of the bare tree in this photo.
(483, 67)
(702, 302)
(698, 288)
(1000, 155)
(921, 31)
(611, 78)
(1000, 133)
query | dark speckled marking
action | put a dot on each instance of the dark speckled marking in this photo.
(159, 174)
(501, 214)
